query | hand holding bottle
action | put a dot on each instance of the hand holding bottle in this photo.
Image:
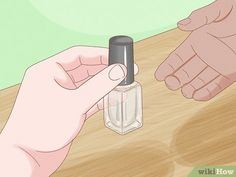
(205, 63)
(56, 96)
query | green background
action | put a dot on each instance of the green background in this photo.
(32, 30)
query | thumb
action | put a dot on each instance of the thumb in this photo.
(100, 85)
(214, 12)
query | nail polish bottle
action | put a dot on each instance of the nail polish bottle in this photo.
(123, 105)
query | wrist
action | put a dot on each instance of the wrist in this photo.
(14, 161)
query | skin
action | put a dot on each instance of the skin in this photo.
(205, 63)
(56, 97)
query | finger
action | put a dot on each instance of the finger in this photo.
(84, 71)
(97, 60)
(100, 105)
(62, 78)
(136, 69)
(216, 11)
(212, 89)
(100, 85)
(75, 56)
(186, 73)
(97, 107)
(175, 60)
(204, 78)
(79, 74)
(81, 82)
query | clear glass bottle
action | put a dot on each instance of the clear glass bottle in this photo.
(123, 105)
(123, 108)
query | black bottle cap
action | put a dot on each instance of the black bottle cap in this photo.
(121, 51)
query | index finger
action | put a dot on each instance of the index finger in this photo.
(175, 60)
(74, 57)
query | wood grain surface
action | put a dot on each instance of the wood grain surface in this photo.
(177, 134)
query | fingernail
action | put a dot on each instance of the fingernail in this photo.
(172, 83)
(116, 73)
(202, 95)
(136, 69)
(188, 91)
(185, 22)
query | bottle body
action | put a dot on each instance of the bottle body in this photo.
(123, 108)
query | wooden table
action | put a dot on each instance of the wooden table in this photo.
(177, 134)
